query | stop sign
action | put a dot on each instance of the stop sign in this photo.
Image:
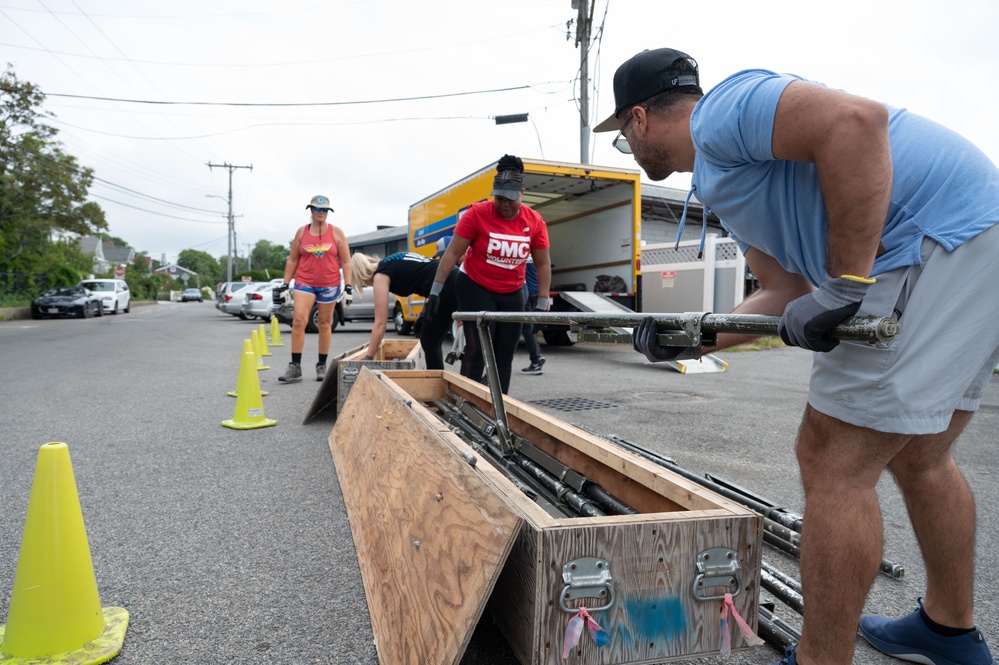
(119, 271)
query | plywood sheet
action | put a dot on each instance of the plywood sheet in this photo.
(431, 536)
(327, 393)
(392, 353)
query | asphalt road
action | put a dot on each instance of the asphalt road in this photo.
(233, 546)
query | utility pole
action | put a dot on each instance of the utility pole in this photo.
(249, 257)
(583, 22)
(232, 227)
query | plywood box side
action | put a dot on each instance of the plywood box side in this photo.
(423, 386)
(417, 509)
(401, 349)
(653, 614)
(515, 603)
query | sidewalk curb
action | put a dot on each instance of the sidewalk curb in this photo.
(16, 313)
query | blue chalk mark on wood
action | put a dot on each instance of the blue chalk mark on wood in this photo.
(653, 619)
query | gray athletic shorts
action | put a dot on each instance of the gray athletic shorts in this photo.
(948, 310)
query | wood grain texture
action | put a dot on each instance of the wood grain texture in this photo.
(430, 535)
(655, 616)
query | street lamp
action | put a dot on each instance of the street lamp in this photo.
(520, 117)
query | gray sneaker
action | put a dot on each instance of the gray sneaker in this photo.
(320, 371)
(293, 374)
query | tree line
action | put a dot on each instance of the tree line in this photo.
(44, 208)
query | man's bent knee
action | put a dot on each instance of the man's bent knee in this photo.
(830, 450)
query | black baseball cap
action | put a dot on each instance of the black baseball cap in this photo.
(646, 75)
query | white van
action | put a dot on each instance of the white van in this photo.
(114, 294)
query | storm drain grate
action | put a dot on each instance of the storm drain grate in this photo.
(573, 404)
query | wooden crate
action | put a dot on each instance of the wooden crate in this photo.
(440, 532)
(344, 369)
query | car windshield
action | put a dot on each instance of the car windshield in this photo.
(191, 291)
(66, 291)
(98, 286)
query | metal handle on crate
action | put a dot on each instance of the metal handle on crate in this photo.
(717, 567)
(349, 374)
(588, 577)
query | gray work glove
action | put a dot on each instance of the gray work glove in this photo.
(807, 319)
(645, 340)
(542, 305)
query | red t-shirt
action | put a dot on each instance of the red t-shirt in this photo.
(318, 260)
(497, 256)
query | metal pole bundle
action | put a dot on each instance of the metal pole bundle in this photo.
(537, 474)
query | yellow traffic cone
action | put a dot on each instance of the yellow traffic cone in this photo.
(255, 343)
(262, 336)
(239, 379)
(55, 611)
(249, 412)
(275, 332)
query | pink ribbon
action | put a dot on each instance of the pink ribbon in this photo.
(747, 632)
(575, 630)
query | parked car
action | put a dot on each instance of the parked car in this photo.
(230, 298)
(258, 300)
(359, 310)
(66, 301)
(192, 295)
(113, 293)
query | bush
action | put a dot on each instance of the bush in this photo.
(63, 275)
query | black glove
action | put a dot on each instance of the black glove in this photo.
(277, 295)
(348, 295)
(430, 307)
(432, 303)
(807, 319)
(645, 340)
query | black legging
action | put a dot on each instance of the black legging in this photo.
(432, 333)
(475, 298)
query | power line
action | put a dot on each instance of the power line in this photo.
(152, 212)
(301, 104)
(263, 124)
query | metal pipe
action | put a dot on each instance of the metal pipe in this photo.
(782, 592)
(787, 519)
(781, 577)
(492, 374)
(882, 329)
(776, 632)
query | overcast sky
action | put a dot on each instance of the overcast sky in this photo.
(379, 103)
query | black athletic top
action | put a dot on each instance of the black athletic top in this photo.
(409, 273)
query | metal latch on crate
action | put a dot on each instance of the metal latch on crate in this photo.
(588, 577)
(717, 567)
(348, 374)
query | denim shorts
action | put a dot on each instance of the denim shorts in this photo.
(944, 356)
(324, 294)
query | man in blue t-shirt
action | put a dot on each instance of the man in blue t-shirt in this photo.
(846, 207)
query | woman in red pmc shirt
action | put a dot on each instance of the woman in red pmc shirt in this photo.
(496, 237)
(314, 264)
